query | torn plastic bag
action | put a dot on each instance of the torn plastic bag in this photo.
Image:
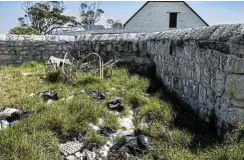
(97, 95)
(135, 145)
(115, 105)
(46, 95)
(17, 115)
(12, 114)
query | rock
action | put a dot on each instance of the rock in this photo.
(79, 154)
(93, 127)
(4, 124)
(145, 122)
(70, 157)
(127, 122)
(49, 101)
(90, 155)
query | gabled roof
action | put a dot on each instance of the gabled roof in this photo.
(167, 1)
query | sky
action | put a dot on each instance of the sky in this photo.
(213, 12)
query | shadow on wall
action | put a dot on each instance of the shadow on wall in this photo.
(205, 134)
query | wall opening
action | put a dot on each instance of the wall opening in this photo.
(172, 20)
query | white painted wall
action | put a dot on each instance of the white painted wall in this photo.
(154, 17)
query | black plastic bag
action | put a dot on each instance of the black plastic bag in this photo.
(97, 95)
(46, 95)
(136, 145)
(115, 105)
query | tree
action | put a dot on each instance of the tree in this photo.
(110, 21)
(24, 31)
(117, 24)
(114, 23)
(45, 16)
(90, 13)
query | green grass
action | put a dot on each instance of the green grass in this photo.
(38, 136)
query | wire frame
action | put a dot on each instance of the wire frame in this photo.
(92, 63)
(70, 67)
(50, 68)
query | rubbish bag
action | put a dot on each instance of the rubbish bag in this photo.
(135, 145)
(106, 132)
(46, 95)
(116, 105)
(97, 95)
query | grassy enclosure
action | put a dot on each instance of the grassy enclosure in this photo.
(38, 135)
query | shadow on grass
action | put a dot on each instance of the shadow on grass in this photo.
(205, 134)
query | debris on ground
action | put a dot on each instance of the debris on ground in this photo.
(98, 95)
(74, 150)
(4, 124)
(70, 97)
(12, 116)
(106, 132)
(93, 127)
(9, 111)
(135, 145)
(126, 128)
(70, 147)
(26, 74)
(146, 122)
(126, 123)
(46, 95)
(49, 101)
(115, 105)
(104, 150)
(81, 92)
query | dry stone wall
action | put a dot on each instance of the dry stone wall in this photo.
(203, 66)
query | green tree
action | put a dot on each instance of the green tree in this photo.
(45, 16)
(114, 23)
(90, 13)
(117, 24)
(24, 31)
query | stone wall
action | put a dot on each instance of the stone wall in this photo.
(128, 47)
(204, 66)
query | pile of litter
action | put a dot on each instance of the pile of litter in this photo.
(12, 116)
(130, 145)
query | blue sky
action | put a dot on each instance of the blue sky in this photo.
(213, 12)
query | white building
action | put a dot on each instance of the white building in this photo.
(153, 16)
(156, 16)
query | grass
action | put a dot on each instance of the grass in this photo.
(38, 136)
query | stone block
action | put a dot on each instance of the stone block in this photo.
(5, 57)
